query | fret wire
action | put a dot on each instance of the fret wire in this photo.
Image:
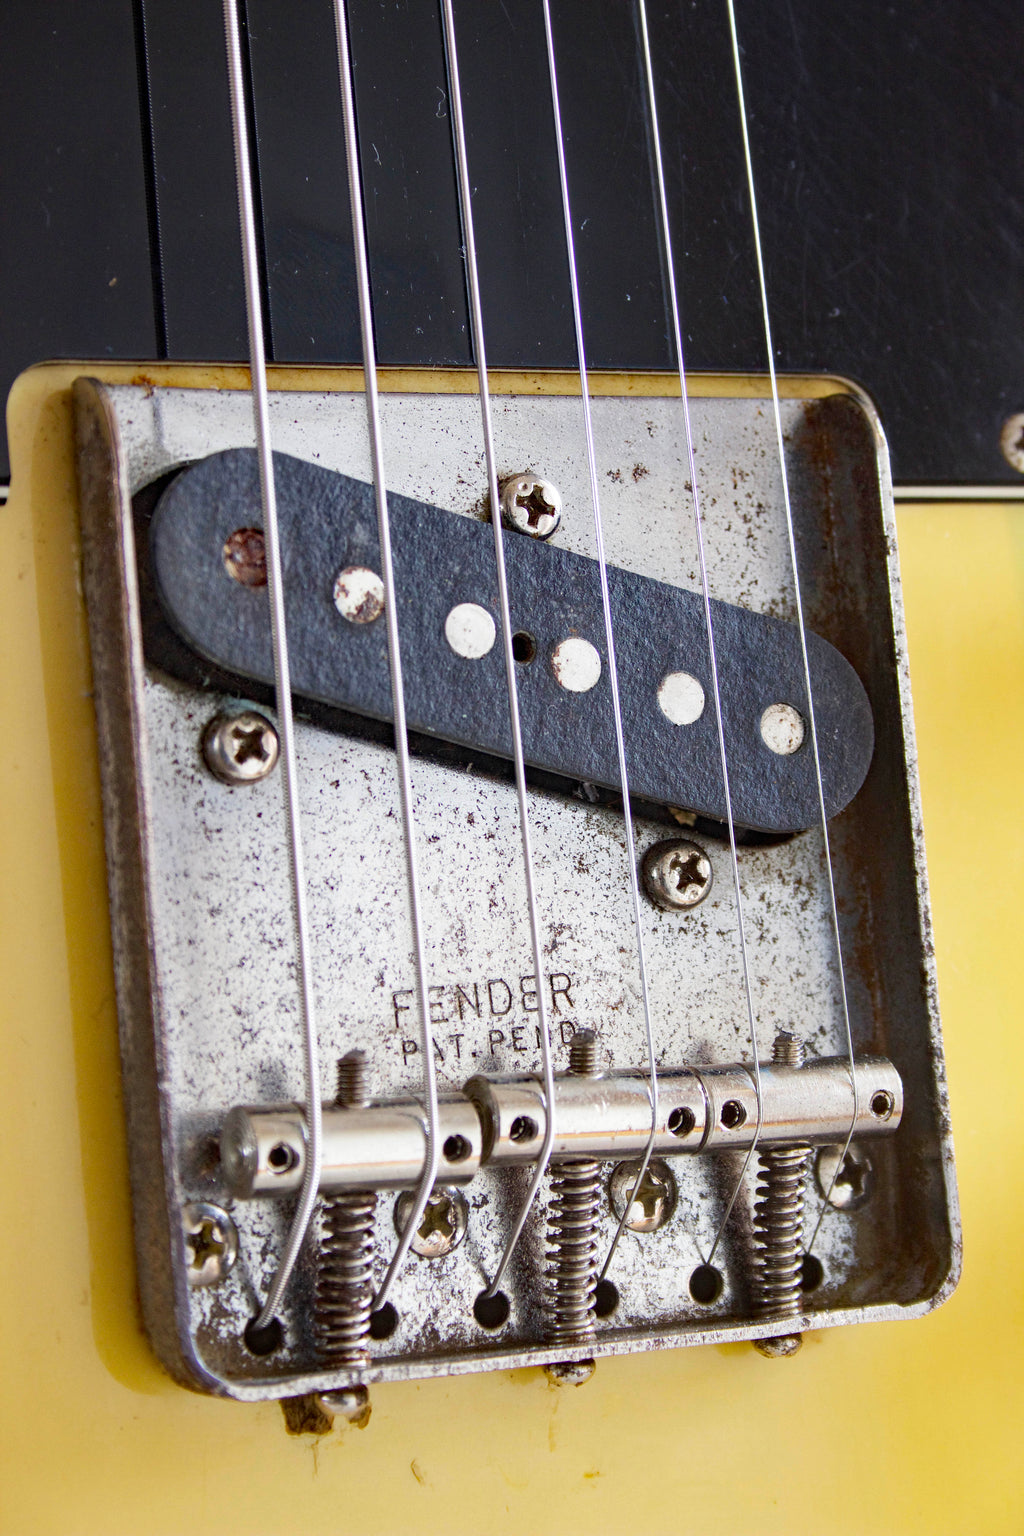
(698, 523)
(282, 671)
(738, 69)
(477, 332)
(433, 1150)
(613, 674)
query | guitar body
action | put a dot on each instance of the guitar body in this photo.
(887, 1427)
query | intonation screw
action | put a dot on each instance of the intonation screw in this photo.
(344, 1282)
(779, 1222)
(572, 1254)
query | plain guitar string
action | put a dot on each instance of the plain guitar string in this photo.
(477, 333)
(426, 1182)
(282, 672)
(698, 523)
(620, 744)
(741, 102)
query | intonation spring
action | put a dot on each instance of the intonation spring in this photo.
(779, 1213)
(344, 1283)
(572, 1254)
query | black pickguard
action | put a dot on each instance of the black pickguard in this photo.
(889, 147)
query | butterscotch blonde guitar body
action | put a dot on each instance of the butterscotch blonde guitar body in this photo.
(897, 1427)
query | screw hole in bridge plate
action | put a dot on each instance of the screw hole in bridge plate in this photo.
(456, 1149)
(606, 1298)
(706, 1284)
(733, 1115)
(524, 647)
(263, 1341)
(383, 1322)
(491, 1311)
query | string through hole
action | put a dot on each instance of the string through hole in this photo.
(606, 1298)
(706, 1284)
(524, 647)
(263, 1341)
(882, 1104)
(383, 1322)
(491, 1311)
(811, 1273)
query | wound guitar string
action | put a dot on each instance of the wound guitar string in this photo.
(790, 533)
(282, 671)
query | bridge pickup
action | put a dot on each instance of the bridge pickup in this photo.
(205, 547)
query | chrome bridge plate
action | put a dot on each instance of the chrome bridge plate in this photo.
(200, 904)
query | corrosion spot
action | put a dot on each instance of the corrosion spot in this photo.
(245, 557)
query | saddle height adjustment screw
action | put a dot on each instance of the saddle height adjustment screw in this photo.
(531, 505)
(779, 1223)
(572, 1254)
(344, 1281)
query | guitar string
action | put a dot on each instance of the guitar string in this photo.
(477, 334)
(791, 535)
(698, 524)
(355, 184)
(282, 672)
(613, 673)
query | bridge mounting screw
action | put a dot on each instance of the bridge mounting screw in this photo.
(676, 874)
(779, 1223)
(442, 1226)
(572, 1254)
(211, 1242)
(241, 748)
(344, 1280)
(531, 505)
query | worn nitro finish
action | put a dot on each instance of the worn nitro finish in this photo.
(201, 907)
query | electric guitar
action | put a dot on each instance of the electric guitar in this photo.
(587, 856)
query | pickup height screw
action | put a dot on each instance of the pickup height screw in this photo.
(676, 874)
(572, 1237)
(241, 748)
(344, 1281)
(779, 1222)
(531, 505)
